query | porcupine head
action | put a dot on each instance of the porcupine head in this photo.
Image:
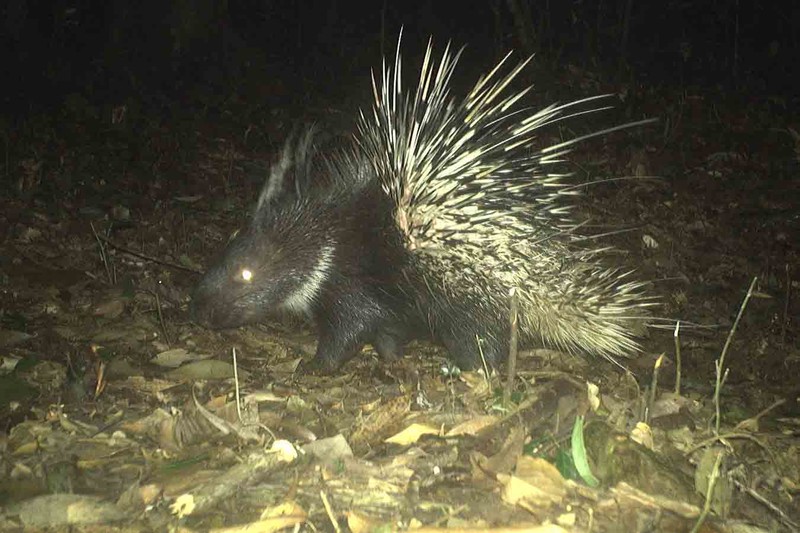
(319, 244)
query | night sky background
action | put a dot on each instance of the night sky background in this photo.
(110, 51)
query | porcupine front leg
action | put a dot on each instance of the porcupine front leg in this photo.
(348, 324)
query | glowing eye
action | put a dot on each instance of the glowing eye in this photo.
(246, 274)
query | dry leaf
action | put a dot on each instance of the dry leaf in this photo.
(176, 357)
(541, 486)
(287, 508)
(472, 426)
(137, 497)
(508, 456)
(267, 525)
(110, 308)
(385, 420)
(358, 523)
(411, 434)
(183, 506)
(330, 449)
(722, 494)
(208, 369)
(285, 450)
(643, 435)
(286, 367)
(60, 510)
(593, 395)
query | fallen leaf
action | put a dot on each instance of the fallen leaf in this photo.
(329, 449)
(508, 456)
(287, 508)
(209, 369)
(593, 395)
(358, 523)
(643, 435)
(412, 434)
(541, 473)
(176, 357)
(54, 510)
(472, 426)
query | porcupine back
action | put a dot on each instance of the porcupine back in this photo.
(483, 210)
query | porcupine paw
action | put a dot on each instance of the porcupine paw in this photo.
(320, 366)
(392, 336)
(390, 347)
(334, 348)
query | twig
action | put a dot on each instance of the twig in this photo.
(483, 360)
(720, 363)
(677, 338)
(250, 471)
(146, 257)
(721, 377)
(761, 413)
(712, 483)
(161, 320)
(511, 366)
(768, 504)
(785, 321)
(329, 511)
(103, 255)
(723, 438)
(236, 385)
(653, 388)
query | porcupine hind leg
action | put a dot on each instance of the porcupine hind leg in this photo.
(392, 336)
(389, 344)
(470, 345)
(470, 335)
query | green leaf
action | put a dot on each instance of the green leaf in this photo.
(579, 454)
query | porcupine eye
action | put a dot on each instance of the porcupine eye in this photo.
(245, 275)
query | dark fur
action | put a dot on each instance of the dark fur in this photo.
(373, 291)
(362, 298)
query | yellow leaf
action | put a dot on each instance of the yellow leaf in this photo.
(412, 434)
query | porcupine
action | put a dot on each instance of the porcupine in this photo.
(422, 227)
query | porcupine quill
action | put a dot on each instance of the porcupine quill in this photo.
(422, 227)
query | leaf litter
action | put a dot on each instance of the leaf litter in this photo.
(119, 412)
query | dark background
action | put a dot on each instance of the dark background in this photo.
(114, 50)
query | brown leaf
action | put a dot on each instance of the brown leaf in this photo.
(473, 426)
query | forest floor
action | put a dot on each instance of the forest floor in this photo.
(118, 413)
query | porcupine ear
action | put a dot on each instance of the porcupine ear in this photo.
(290, 171)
